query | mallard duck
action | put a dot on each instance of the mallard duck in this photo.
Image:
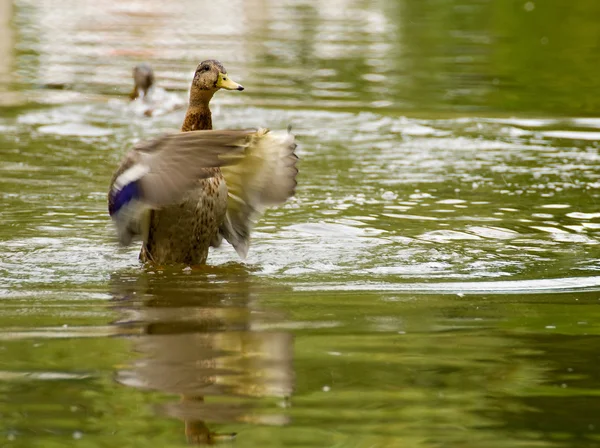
(143, 79)
(151, 100)
(184, 192)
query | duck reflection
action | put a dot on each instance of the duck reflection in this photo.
(203, 336)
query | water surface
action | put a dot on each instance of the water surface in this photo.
(434, 282)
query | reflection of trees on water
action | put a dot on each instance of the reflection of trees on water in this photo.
(7, 50)
(563, 407)
(500, 56)
(408, 55)
(198, 337)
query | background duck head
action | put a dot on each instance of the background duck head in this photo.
(143, 79)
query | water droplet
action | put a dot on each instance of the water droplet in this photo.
(529, 6)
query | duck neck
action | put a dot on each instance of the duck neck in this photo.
(198, 116)
(197, 119)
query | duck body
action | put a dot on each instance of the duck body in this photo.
(183, 232)
(181, 196)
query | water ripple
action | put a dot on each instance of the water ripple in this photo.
(557, 285)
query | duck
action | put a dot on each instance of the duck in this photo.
(184, 192)
(149, 100)
(143, 80)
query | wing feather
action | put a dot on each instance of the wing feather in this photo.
(266, 176)
(164, 169)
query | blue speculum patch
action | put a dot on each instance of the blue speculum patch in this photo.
(123, 197)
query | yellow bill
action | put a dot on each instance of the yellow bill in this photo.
(225, 82)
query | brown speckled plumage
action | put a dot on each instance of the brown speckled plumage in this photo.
(197, 119)
(182, 233)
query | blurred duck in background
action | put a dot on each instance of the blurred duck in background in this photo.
(143, 80)
(148, 99)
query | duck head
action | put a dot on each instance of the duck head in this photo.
(209, 77)
(143, 79)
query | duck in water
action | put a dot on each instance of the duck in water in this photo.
(184, 192)
(148, 99)
(143, 80)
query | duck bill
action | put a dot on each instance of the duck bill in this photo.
(225, 82)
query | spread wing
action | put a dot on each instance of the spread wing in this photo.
(160, 171)
(265, 176)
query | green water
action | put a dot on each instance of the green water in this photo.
(434, 283)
